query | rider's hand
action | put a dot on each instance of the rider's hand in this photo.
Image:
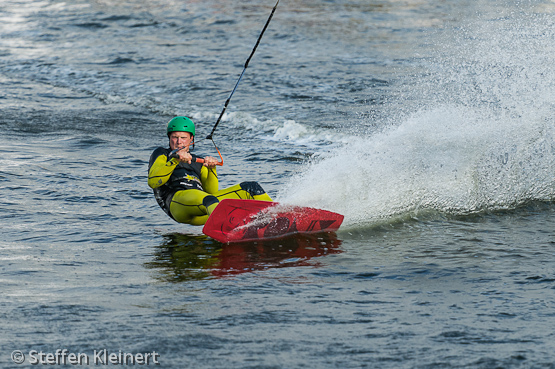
(210, 162)
(183, 155)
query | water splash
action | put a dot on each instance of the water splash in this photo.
(474, 134)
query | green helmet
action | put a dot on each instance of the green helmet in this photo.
(181, 124)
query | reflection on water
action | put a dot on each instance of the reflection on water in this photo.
(185, 257)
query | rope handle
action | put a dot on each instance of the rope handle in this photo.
(173, 154)
(200, 160)
(220, 163)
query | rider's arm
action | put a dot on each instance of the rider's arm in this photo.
(209, 179)
(161, 170)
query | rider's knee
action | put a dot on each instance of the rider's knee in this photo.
(252, 187)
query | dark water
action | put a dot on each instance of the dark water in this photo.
(428, 124)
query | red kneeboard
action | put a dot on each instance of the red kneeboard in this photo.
(252, 220)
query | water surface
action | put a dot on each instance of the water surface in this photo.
(427, 124)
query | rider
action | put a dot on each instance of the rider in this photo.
(186, 190)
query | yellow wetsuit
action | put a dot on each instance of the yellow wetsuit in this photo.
(188, 193)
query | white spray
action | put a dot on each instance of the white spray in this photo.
(480, 136)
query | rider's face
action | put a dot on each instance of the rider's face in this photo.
(180, 140)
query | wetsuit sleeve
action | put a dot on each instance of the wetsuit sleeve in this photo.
(209, 179)
(160, 170)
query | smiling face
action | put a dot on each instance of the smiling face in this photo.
(180, 140)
